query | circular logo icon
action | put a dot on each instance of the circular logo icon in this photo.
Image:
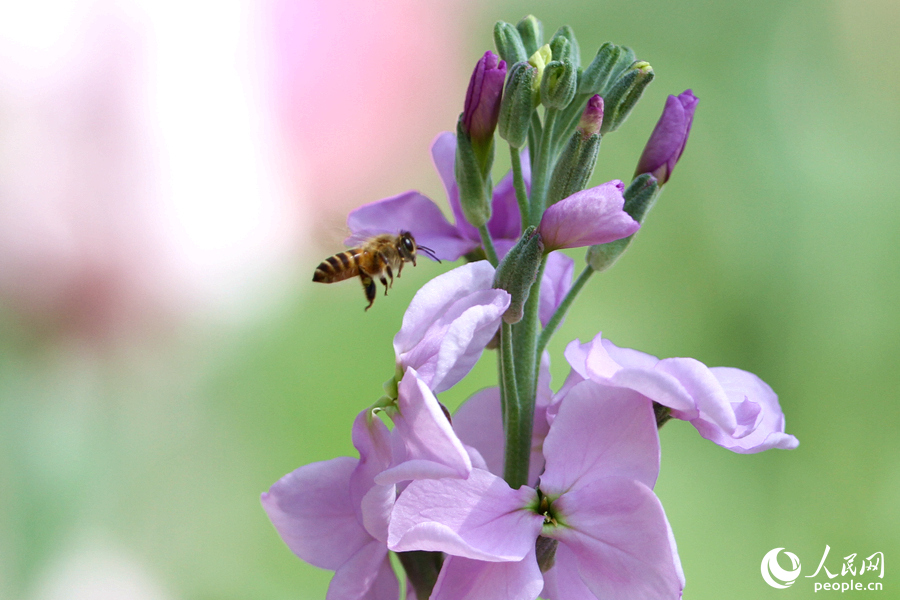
(773, 573)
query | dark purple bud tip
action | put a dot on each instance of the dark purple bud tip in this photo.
(669, 137)
(592, 117)
(482, 106)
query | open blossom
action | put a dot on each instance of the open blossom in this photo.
(414, 212)
(448, 323)
(589, 217)
(594, 519)
(731, 407)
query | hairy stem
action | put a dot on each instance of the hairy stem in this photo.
(519, 184)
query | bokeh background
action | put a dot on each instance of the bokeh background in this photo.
(171, 174)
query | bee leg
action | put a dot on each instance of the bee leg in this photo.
(400, 268)
(390, 274)
(369, 288)
(384, 282)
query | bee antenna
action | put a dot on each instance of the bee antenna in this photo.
(429, 252)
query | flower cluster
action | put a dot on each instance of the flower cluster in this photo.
(525, 492)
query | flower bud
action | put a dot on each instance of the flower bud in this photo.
(592, 117)
(509, 43)
(517, 105)
(532, 32)
(576, 162)
(567, 51)
(539, 61)
(669, 137)
(483, 98)
(471, 178)
(517, 272)
(640, 196)
(558, 84)
(607, 65)
(625, 93)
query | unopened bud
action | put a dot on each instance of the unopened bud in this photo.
(592, 117)
(625, 93)
(669, 137)
(566, 51)
(531, 31)
(517, 272)
(558, 84)
(640, 196)
(607, 65)
(574, 167)
(509, 43)
(483, 99)
(517, 105)
(539, 60)
(471, 178)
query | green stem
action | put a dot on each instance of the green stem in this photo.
(519, 184)
(540, 173)
(514, 416)
(562, 309)
(488, 244)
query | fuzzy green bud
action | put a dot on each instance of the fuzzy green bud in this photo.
(471, 176)
(567, 50)
(640, 196)
(558, 84)
(517, 104)
(518, 271)
(577, 161)
(531, 31)
(625, 93)
(509, 43)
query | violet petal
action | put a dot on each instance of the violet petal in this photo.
(467, 579)
(589, 217)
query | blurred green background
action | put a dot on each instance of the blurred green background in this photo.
(774, 249)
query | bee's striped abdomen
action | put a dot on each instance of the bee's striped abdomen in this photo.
(339, 267)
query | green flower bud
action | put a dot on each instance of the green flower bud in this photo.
(509, 43)
(518, 271)
(568, 51)
(558, 84)
(625, 93)
(517, 104)
(471, 177)
(532, 32)
(577, 161)
(611, 60)
(640, 196)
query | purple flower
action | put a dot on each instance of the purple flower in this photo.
(669, 137)
(589, 217)
(411, 211)
(594, 504)
(733, 408)
(317, 511)
(448, 323)
(482, 106)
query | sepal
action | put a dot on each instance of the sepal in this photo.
(470, 177)
(558, 84)
(531, 31)
(562, 51)
(517, 272)
(625, 93)
(640, 196)
(509, 43)
(517, 105)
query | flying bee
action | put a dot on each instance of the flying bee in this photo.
(376, 258)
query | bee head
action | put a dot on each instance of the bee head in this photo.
(408, 248)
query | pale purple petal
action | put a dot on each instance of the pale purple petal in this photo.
(669, 137)
(313, 512)
(563, 582)
(627, 357)
(443, 153)
(706, 391)
(448, 324)
(423, 443)
(480, 518)
(467, 579)
(599, 432)
(368, 575)
(588, 217)
(413, 212)
(478, 423)
(373, 503)
(506, 222)
(619, 535)
(436, 297)
(555, 284)
(742, 388)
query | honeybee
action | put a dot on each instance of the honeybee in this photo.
(376, 258)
